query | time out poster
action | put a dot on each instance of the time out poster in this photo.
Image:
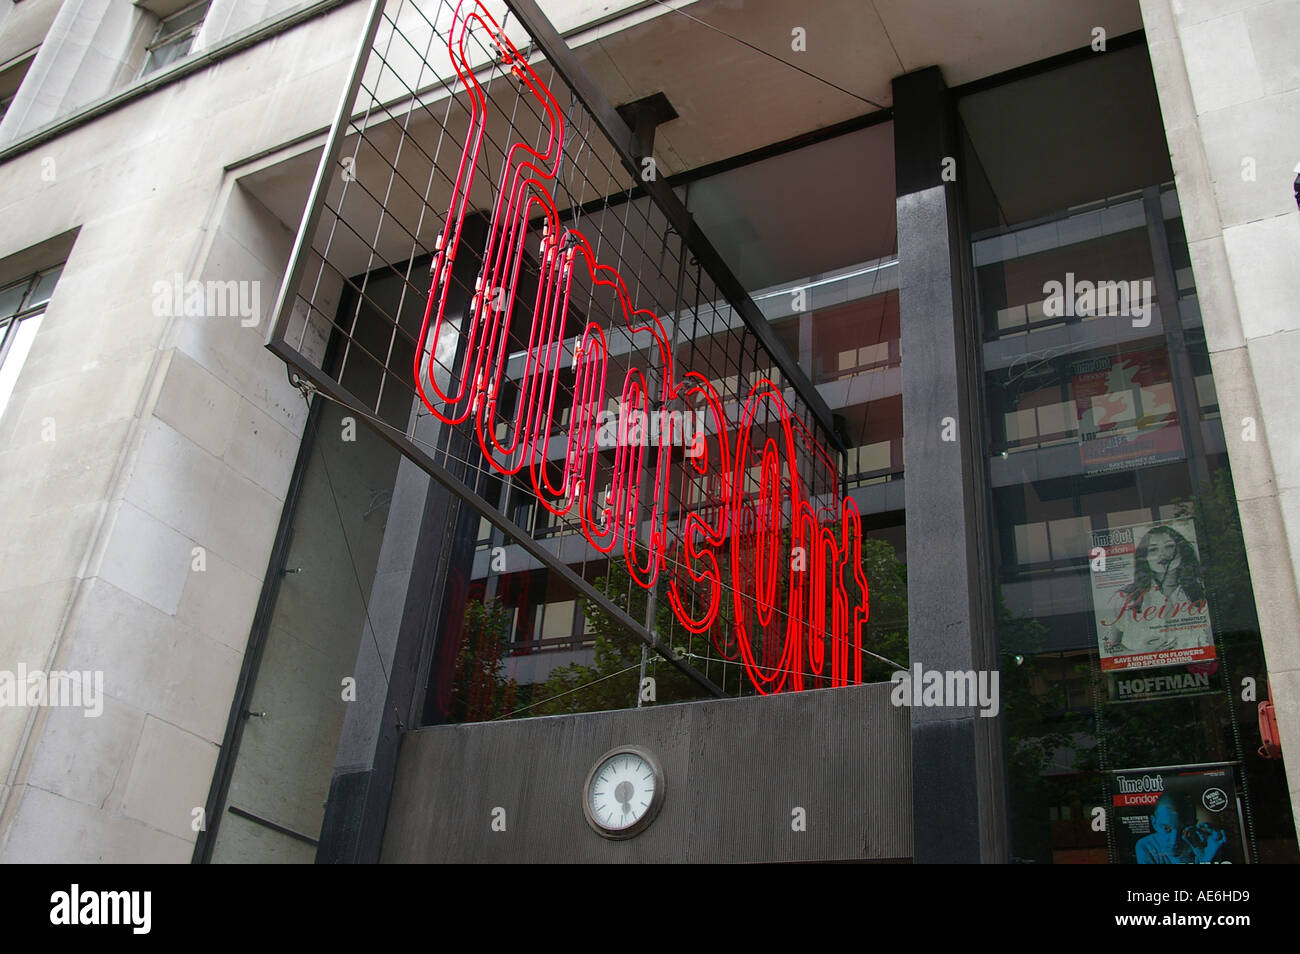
(1175, 816)
(1151, 609)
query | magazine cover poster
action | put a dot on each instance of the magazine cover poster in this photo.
(1176, 817)
(1148, 596)
(1126, 411)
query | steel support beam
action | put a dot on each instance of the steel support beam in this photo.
(957, 770)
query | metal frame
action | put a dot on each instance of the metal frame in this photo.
(329, 158)
(616, 131)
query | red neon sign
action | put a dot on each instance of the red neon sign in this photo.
(819, 618)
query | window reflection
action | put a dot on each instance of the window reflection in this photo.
(1121, 656)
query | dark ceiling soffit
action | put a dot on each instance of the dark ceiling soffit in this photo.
(1068, 58)
(867, 120)
(719, 166)
(770, 151)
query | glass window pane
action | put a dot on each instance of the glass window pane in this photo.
(1022, 426)
(874, 458)
(1031, 543)
(1055, 420)
(11, 298)
(1205, 393)
(186, 18)
(1071, 538)
(23, 336)
(167, 54)
(1127, 517)
(1123, 589)
(319, 619)
(44, 287)
(557, 621)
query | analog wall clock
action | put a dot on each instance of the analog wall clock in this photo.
(624, 792)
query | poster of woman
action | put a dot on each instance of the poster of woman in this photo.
(1149, 596)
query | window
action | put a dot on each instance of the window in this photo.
(1110, 487)
(557, 620)
(11, 77)
(22, 305)
(174, 37)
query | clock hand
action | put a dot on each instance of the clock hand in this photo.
(623, 792)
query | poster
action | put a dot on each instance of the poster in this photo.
(1176, 816)
(1148, 598)
(1127, 417)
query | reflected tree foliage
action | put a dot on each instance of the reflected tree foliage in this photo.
(612, 679)
(482, 690)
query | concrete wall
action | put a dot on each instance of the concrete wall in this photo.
(225, 18)
(93, 49)
(172, 433)
(1229, 84)
(842, 755)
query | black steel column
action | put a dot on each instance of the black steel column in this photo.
(957, 769)
(361, 787)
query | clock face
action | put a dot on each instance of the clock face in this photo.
(623, 793)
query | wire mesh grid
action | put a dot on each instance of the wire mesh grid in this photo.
(403, 268)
